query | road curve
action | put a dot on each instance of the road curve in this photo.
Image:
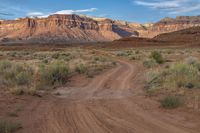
(111, 103)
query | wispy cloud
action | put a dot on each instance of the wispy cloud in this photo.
(75, 11)
(10, 9)
(41, 14)
(35, 14)
(171, 6)
(6, 14)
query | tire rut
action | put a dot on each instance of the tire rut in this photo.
(110, 103)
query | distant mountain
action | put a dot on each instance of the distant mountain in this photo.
(80, 28)
(189, 35)
(186, 37)
(64, 29)
(167, 25)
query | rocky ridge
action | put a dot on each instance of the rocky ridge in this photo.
(63, 28)
(167, 25)
(78, 28)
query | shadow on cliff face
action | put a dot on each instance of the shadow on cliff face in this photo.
(124, 33)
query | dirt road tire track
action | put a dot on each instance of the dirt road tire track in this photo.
(111, 103)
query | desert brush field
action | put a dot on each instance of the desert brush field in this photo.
(88, 89)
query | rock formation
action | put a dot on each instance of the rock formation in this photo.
(63, 28)
(167, 25)
(79, 28)
(189, 35)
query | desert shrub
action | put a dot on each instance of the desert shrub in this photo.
(154, 81)
(4, 64)
(191, 60)
(23, 78)
(177, 76)
(157, 57)
(183, 75)
(9, 127)
(129, 52)
(62, 56)
(197, 65)
(101, 59)
(12, 74)
(81, 68)
(114, 63)
(137, 52)
(169, 51)
(170, 102)
(52, 75)
(96, 58)
(24, 53)
(132, 58)
(12, 54)
(18, 90)
(122, 53)
(65, 54)
(55, 55)
(149, 63)
(45, 61)
(12, 114)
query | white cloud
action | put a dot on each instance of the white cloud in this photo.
(43, 15)
(171, 6)
(35, 14)
(157, 5)
(75, 11)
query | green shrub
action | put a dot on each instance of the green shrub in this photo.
(81, 69)
(55, 55)
(171, 102)
(114, 63)
(177, 76)
(52, 75)
(191, 60)
(137, 52)
(149, 63)
(12, 114)
(4, 64)
(18, 90)
(13, 74)
(9, 127)
(45, 61)
(183, 75)
(96, 58)
(154, 80)
(122, 53)
(157, 57)
(197, 65)
(23, 78)
(132, 58)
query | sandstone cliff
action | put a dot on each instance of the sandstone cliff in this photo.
(189, 35)
(79, 28)
(63, 28)
(167, 25)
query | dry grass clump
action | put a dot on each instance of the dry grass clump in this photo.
(170, 102)
(81, 68)
(9, 127)
(13, 75)
(150, 63)
(180, 75)
(52, 75)
(157, 56)
(32, 71)
(20, 79)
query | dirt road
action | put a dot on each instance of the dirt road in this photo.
(112, 102)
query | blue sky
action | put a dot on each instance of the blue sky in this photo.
(130, 10)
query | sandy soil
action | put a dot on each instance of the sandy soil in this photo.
(113, 102)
